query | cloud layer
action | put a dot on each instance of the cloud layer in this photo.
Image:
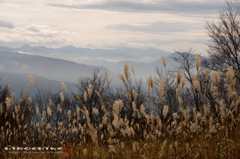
(162, 24)
(6, 24)
(173, 6)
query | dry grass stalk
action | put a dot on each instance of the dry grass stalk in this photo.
(126, 71)
(179, 77)
(107, 78)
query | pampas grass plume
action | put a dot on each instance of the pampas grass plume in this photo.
(95, 111)
(64, 86)
(161, 90)
(49, 112)
(126, 72)
(132, 69)
(165, 111)
(216, 77)
(84, 152)
(183, 82)
(13, 95)
(61, 96)
(106, 74)
(197, 62)
(9, 87)
(90, 91)
(150, 82)
(224, 66)
(8, 102)
(85, 96)
(135, 94)
(196, 84)
(163, 60)
(128, 96)
(230, 75)
(29, 100)
(142, 109)
(32, 79)
(37, 111)
(117, 107)
(50, 102)
(121, 77)
(69, 115)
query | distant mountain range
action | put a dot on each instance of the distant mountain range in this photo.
(90, 56)
(144, 61)
(50, 68)
(52, 65)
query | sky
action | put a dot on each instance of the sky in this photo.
(169, 25)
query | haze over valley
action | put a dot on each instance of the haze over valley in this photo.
(50, 65)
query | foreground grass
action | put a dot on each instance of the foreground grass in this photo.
(195, 147)
(212, 131)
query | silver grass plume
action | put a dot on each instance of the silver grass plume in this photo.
(107, 78)
(135, 94)
(90, 91)
(121, 77)
(32, 79)
(126, 72)
(64, 86)
(132, 69)
(85, 96)
(216, 77)
(165, 111)
(61, 96)
(9, 87)
(69, 115)
(128, 96)
(161, 90)
(183, 82)
(230, 75)
(29, 100)
(163, 60)
(13, 95)
(197, 62)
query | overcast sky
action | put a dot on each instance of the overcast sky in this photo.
(163, 24)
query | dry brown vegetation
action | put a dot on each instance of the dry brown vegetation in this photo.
(189, 112)
(98, 127)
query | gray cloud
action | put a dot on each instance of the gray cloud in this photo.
(33, 29)
(156, 27)
(6, 24)
(205, 7)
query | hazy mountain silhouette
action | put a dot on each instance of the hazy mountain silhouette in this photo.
(20, 81)
(91, 56)
(27, 59)
(49, 68)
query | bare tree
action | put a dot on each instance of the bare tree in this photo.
(186, 65)
(98, 83)
(225, 38)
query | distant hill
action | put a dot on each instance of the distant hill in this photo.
(20, 81)
(91, 56)
(49, 68)
(69, 63)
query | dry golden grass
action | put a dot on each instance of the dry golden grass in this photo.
(186, 133)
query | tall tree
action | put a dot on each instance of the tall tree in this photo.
(224, 34)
